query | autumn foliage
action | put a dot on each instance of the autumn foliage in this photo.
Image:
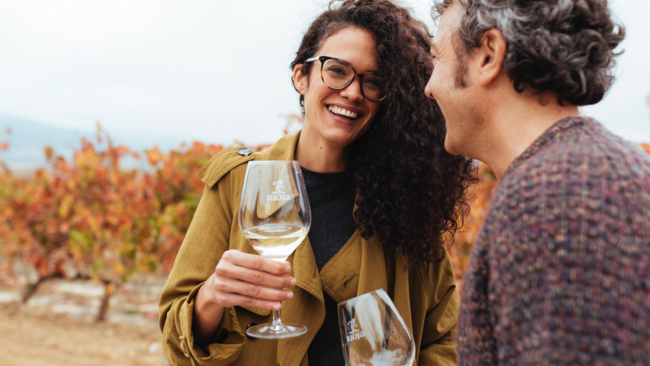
(481, 195)
(92, 218)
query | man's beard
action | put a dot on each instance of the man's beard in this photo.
(461, 71)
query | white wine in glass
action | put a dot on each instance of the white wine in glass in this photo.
(275, 217)
(276, 242)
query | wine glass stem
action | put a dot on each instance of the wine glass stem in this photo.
(277, 322)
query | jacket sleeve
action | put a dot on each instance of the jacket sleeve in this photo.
(206, 241)
(438, 346)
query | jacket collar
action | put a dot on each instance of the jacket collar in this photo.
(283, 149)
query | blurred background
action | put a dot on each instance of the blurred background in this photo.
(108, 108)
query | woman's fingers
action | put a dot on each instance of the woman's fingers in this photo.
(257, 262)
(252, 290)
(242, 279)
(233, 299)
(228, 270)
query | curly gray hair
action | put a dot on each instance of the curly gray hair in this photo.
(562, 46)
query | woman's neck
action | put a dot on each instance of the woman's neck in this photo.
(316, 154)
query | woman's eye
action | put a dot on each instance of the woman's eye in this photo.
(374, 82)
(337, 70)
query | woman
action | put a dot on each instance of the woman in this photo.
(382, 190)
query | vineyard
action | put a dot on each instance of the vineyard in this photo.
(92, 218)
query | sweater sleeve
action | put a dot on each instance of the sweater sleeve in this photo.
(206, 241)
(438, 346)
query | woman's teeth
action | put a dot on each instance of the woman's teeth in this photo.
(343, 112)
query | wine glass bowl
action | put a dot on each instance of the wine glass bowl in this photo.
(373, 333)
(275, 217)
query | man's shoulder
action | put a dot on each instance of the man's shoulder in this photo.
(588, 150)
(586, 163)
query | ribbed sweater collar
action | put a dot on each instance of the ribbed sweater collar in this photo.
(550, 134)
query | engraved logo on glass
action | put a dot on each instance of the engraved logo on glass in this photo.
(279, 194)
(354, 333)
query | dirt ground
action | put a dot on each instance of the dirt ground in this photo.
(57, 325)
(32, 336)
(38, 336)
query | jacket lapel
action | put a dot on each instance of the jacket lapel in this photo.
(340, 276)
(373, 267)
(358, 268)
(401, 298)
(307, 306)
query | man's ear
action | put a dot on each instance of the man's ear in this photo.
(490, 55)
(299, 80)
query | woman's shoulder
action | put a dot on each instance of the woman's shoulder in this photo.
(223, 162)
(230, 159)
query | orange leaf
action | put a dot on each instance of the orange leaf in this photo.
(646, 147)
(66, 203)
(49, 152)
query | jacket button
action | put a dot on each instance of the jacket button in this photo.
(250, 325)
(244, 151)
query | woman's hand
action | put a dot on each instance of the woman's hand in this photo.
(241, 279)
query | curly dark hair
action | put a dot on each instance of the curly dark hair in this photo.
(410, 190)
(562, 46)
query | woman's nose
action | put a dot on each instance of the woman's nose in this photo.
(353, 91)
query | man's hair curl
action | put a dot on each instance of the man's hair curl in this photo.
(410, 190)
(562, 46)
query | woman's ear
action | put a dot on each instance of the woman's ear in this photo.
(299, 80)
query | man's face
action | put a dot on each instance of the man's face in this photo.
(450, 84)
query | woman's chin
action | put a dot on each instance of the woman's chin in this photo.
(334, 133)
(341, 139)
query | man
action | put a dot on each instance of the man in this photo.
(560, 273)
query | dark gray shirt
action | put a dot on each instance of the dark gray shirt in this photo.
(331, 198)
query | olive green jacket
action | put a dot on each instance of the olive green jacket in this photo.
(425, 296)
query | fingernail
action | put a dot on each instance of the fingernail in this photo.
(277, 307)
(293, 282)
(290, 295)
(287, 269)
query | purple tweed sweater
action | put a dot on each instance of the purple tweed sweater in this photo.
(560, 274)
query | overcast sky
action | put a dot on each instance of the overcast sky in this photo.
(215, 71)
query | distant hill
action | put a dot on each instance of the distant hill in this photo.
(28, 138)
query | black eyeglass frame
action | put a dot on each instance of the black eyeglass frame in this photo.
(322, 60)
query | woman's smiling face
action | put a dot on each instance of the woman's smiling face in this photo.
(326, 110)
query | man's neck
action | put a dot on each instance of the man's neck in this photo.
(510, 130)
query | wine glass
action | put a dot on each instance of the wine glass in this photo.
(275, 217)
(373, 333)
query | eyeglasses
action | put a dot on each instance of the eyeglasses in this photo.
(337, 74)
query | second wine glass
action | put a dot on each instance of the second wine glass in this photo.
(373, 332)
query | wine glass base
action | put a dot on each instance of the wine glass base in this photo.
(269, 331)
